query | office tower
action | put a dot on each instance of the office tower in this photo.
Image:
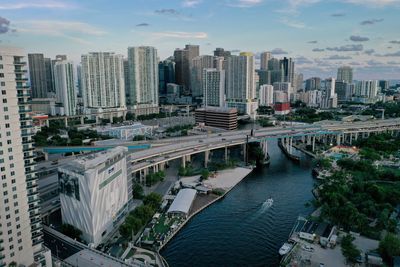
(384, 85)
(49, 75)
(345, 74)
(264, 77)
(198, 65)
(166, 75)
(37, 73)
(94, 192)
(61, 57)
(65, 86)
(266, 95)
(313, 83)
(143, 77)
(312, 98)
(298, 82)
(219, 63)
(275, 71)
(183, 60)
(284, 87)
(79, 80)
(265, 57)
(288, 69)
(126, 79)
(329, 96)
(367, 89)
(20, 222)
(213, 87)
(240, 85)
(343, 90)
(220, 52)
(103, 84)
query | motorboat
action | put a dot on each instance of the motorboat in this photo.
(285, 249)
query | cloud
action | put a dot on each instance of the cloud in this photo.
(167, 12)
(374, 63)
(293, 6)
(338, 14)
(235, 50)
(72, 30)
(45, 4)
(318, 50)
(293, 24)
(395, 54)
(393, 63)
(356, 38)
(244, 3)
(338, 57)
(354, 63)
(4, 25)
(181, 35)
(369, 51)
(394, 42)
(312, 42)
(373, 3)
(278, 51)
(303, 60)
(191, 3)
(142, 24)
(370, 21)
(346, 48)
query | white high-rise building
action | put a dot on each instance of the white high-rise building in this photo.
(265, 57)
(143, 79)
(103, 83)
(20, 222)
(214, 87)
(266, 95)
(94, 192)
(329, 96)
(367, 89)
(240, 84)
(285, 87)
(198, 65)
(64, 79)
(345, 74)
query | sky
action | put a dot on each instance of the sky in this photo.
(320, 35)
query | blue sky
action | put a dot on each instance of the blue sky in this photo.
(320, 34)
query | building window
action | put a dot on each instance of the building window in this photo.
(6, 117)
(3, 83)
(7, 124)
(4, 100)
(5, 109)
(7, 209)
(1, 75)
(20, 248)
(12, 254)
(3, 92)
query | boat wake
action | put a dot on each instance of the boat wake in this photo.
(266, 205)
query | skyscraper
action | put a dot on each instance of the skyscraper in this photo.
(366, 89)
(49, 75)
(143, 77)
(103, 84)
(79, 80)
(288, 69)
(166, 75)
(198, 65)
(37, 73)
(345, 74)
(266, 95)
(313, 83)
(213, 87)
(275, 71)
(240, 84)
(65, 86)
(220, 52)
(183, 60)
(328, 95)
(265, 57)
(20, 222)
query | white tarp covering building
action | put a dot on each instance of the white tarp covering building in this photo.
(126, 132)
(183, 202)
(94, 192)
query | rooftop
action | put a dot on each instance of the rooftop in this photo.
(183, 201)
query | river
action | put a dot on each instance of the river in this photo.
(239, 230)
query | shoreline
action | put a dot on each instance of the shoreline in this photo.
(197, 212)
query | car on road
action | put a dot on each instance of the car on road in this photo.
(308, 248)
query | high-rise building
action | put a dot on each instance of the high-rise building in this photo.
(288, 69)
(343, 90)
(49, 75)
(275, 71)
(384, 85)
(79, 80)
(329, 96)
(220, 52)
(213, 87)
(143, 78)
(298, 82)
(198, 65)
(20, 221)
(166, 75)
(183, 60)
(265, 57)
(313, 83)
(65, 86)
(103, 84)
(266, 95)
(345, 74)
(240, 84)
(366, 89)
(37, 73)
(264, 77)
(285, 87)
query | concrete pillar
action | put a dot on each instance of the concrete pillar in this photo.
(184, 162)
(82, 120)
(309, 140)
(313, 143)
(188, 158)
(97, 119)
(65, 121)
(111, 118)
(124, 115)
(226, 154)
(338, 139)
(290, 145)
(47, 123)
(206, 158)
(245, 153)
(351, 138)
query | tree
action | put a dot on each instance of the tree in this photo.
(205, 173)
(138, 138)
(349, 250)
(137, 191)
(389, 247)
(153, 200)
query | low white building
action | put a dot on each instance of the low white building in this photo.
(94, 192)
(126, 132)
(183, 202)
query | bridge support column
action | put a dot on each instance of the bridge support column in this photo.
(124, 115)
(309, 139)
(206, 158)
(313, 143)
(245, 153)
(338, 137)
(291, 145)
(184, 162)
(188, 158)
(97, 119)
(111, 118)
(47, 123)
(82, 120)
(264, 146)
(155, 168)
(226, 154)
(66, 122)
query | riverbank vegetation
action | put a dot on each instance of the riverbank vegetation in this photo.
(309, 115)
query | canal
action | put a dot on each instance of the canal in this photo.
(239, 230)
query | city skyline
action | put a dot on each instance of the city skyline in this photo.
(319, 35)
